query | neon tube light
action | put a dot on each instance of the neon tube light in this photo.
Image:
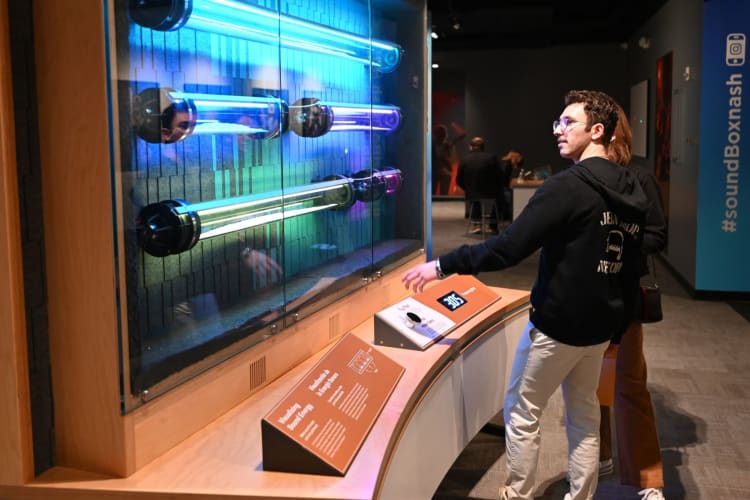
(392, 178)
(219, 217)
(173, 226)
(232, 18)
(167, 115)
(371, 185)
(310, 117)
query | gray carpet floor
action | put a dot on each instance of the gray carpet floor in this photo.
(699, 378)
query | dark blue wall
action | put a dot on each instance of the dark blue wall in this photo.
(512, 96)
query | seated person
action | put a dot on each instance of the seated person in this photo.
(481, 176)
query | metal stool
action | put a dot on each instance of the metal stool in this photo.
(489, 214)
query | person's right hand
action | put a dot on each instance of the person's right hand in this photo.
(418, 276)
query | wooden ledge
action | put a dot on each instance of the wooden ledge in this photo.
(224, 459)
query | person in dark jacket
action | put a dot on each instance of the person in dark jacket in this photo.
(638, 450)
(587, 220)
(481, 176)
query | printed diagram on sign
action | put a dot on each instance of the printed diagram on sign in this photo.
(363, 362)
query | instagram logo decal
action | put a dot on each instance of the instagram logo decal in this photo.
(736, 49)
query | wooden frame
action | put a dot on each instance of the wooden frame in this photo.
(16, 459)
(83, 317)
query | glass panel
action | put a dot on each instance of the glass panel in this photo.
(264, 151)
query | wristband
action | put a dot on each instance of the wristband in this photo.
(440, 274)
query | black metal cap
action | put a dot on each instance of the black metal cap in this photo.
(161, 15)
(163, 231)
(368, 185)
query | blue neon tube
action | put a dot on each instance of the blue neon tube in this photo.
(168, 115)
(232, 18)
(174, 226)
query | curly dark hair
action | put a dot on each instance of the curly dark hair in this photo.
(599, 108)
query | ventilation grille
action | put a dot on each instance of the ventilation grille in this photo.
(257, 373)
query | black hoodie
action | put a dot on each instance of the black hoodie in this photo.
(588, 221)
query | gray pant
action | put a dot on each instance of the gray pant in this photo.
(541, 365)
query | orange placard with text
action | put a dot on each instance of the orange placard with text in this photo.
(322, 422)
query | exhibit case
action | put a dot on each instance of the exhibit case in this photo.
(267, 160)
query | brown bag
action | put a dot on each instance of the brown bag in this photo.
(650, 301)
(651, 304)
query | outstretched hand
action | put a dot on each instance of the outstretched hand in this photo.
(418, 276)
(261, 263)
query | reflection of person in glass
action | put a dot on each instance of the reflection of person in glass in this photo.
(176, 123)
(261, 264)
(205, 306)
(310, 118)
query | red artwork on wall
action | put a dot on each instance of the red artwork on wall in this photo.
(447, 134)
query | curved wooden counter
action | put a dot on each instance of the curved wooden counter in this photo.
(447, 393)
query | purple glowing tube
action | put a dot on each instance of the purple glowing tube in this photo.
(371, 185)
(310, 117)
(393, 179)
(375, 118)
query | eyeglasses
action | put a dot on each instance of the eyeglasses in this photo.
(565, 124)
